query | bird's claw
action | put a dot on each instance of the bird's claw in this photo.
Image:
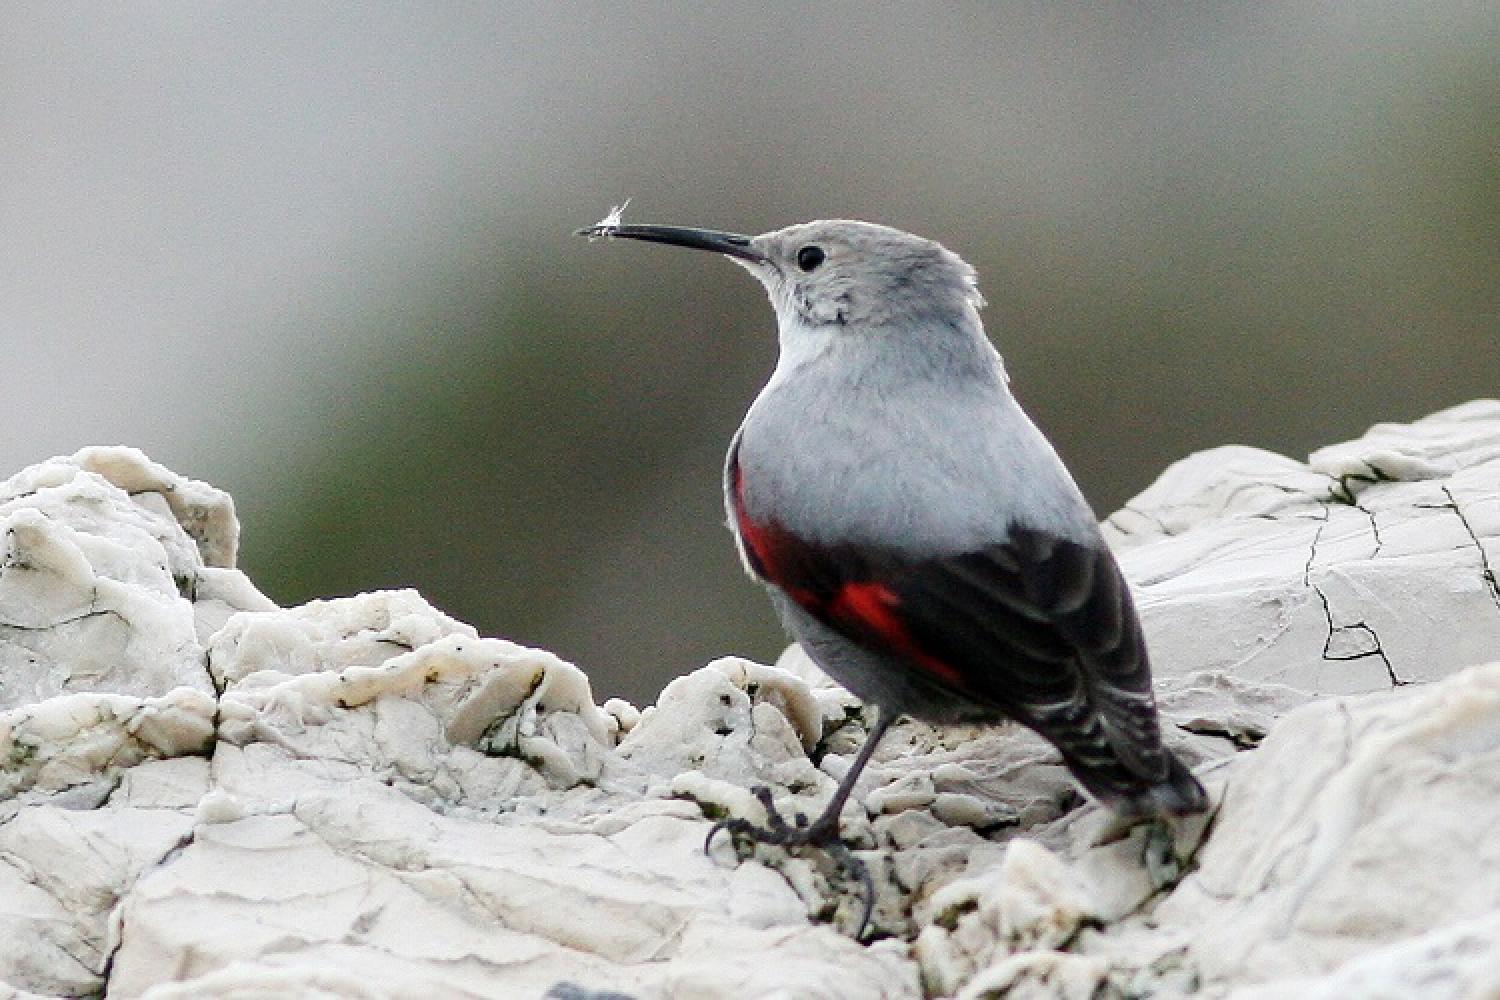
(778, 833)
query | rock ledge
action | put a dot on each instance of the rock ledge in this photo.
(202, 794)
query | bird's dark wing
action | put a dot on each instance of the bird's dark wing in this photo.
(1039, 627)
(1045, 628)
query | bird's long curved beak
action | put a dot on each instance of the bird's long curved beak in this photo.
(729, 244)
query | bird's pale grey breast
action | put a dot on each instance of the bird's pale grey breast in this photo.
(851, 446)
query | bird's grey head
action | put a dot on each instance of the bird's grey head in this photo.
(838, 272)
(845, 273)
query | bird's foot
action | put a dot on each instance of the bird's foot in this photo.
(822, 833)
(777, 830)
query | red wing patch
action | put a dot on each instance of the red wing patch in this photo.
(770, 549)
(830, 587)
(752, 536)
(869, 607)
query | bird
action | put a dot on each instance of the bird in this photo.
(918, 535)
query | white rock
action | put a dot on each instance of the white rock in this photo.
(102, 555)
(75, 739)
(354, 801)
(64, 870)
(718, 732)
(1456, 962)
(1358, 823)
(204, 795)
(1040, 975)
(1331, 577)
(1031, 901)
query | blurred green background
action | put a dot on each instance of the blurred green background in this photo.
(320, 256)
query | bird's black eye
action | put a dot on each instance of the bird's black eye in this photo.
(809, 257)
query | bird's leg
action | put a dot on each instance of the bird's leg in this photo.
(822, 832)
(824, 829)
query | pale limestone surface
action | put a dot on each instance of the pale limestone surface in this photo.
(1343, 575)
(204, 795)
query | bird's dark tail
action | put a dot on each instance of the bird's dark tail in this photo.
(1127, 793)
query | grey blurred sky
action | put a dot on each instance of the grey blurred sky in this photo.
(256, 241)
